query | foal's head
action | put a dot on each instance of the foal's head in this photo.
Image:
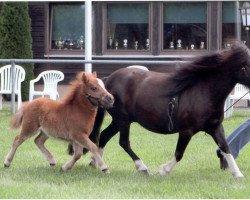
(94, 90)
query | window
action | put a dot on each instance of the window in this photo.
(67, 26)
(127, 26)
(185, 26)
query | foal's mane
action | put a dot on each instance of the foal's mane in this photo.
(75, 85)
(230, 61)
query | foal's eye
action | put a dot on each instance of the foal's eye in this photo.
(94, 88)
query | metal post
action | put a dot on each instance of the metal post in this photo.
(13, 78)
(247, 30)
(88, 35)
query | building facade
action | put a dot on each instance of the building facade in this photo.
(143, 30)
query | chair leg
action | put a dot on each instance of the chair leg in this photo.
(30, 96)
(19, 101)
(1, 102)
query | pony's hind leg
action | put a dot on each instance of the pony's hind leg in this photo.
(105, 136)
(219, 138)
(39, 141)
(76, 156)
(183, 140)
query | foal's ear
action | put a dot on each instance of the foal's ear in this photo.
(84, 78)
(94, 74)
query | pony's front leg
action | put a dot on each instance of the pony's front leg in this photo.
(219, 137)
(183, 140)
(76, 156)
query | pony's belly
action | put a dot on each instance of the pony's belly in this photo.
(162, 128)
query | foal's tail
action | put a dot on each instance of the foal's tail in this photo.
(17, 119)
(95, 134)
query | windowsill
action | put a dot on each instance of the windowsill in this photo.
(127, 56)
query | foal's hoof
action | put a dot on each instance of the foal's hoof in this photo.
(106, 171)
(92, 164)
(52, 164)
(6, 165)
(162, 171)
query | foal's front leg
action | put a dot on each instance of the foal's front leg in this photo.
(97, 157)
(76, 156)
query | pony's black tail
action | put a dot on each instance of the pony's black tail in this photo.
(95, 134)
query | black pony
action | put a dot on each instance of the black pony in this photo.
(187, 101)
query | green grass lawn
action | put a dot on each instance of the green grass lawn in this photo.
(196, 176)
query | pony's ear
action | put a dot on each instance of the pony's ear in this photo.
(85, 78)
(94, 74)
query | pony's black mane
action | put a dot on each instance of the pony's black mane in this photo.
(230, 60)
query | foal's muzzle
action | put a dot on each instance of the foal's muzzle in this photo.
(107, 101)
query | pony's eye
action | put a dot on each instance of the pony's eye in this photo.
(94, 88)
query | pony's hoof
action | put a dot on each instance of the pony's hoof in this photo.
(145, 172)
(223, 161)
(106, 171)
(238, 175)
(52, 164)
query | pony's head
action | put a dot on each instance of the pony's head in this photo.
(94, 90)
(241, 63)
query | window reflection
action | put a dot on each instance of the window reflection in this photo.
(67, 27)
(230, 22)
(185, 25)
(127, 26)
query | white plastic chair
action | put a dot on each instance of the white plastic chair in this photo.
(50, 79)
(6, 82)
(239, 92)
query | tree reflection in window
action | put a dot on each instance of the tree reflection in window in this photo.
(127, 26)
(185, 25)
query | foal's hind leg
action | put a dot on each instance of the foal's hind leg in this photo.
(19, 139)
(76, 156)
(39, 141)
(183, 140)
(219, 137)
(28, 129)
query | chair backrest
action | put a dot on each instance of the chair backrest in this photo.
(6, 78)
(239, 91)
(51, 78)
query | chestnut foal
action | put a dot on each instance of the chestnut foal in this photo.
(70, 119)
